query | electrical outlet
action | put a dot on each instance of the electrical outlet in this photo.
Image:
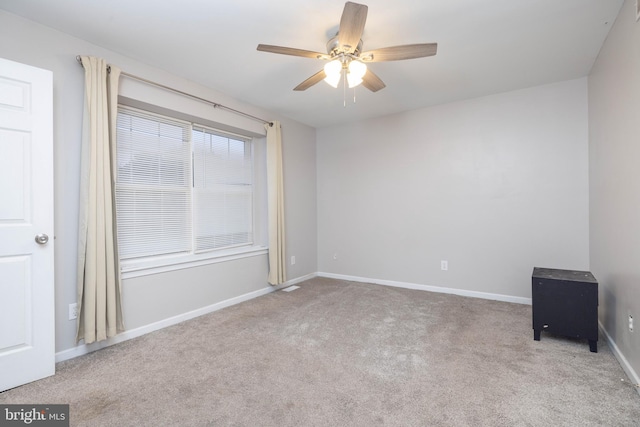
(335, 256)
(293, 260)
(73, 311)
(444, 265)
(630, 323)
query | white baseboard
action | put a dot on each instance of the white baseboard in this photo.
(624, 363)
(133, 333)
(461, 292)
(297, 280)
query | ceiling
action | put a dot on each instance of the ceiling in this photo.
(484, 46)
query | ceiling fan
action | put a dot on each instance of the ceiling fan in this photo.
(345, 56)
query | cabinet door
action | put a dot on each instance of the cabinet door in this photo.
(566, 308)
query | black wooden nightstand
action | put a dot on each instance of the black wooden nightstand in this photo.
(565, 302)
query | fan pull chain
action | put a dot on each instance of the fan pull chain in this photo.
(344, 89)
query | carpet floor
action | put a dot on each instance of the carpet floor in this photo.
(336, 353)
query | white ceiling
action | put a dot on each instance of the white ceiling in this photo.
(484, 46)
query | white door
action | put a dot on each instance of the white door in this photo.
(27, 341)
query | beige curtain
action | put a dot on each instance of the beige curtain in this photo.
(99, 296)
(275, 188)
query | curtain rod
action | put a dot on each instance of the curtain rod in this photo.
(206, 101)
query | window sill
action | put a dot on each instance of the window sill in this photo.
(137, 268)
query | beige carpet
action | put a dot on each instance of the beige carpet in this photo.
(336, 353)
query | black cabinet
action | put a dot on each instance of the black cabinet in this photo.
(565, 302)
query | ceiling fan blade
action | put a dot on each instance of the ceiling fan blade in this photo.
(372, 82)
(398, 53)
(316, 78)
(352, 23)
(291, 51)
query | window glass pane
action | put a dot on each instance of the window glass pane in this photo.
(223, 191)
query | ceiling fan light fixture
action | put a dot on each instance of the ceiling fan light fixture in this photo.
(333, 70)
(357, 70)
(333, 80)
(353, 81)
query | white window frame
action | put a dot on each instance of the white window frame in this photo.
(137, 267)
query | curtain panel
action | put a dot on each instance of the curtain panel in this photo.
(275, 190)
(98, 277)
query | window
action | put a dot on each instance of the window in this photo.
(180, 188)
(222, 170)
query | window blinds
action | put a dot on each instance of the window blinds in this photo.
(153, 194)
(179, 188)
(223, 196)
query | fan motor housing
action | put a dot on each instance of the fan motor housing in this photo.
(333, 46)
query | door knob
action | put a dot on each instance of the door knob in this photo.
(41, 239)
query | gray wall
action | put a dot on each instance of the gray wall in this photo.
(495, 185)
(299, 153)
(614, 153)
(157, 297)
